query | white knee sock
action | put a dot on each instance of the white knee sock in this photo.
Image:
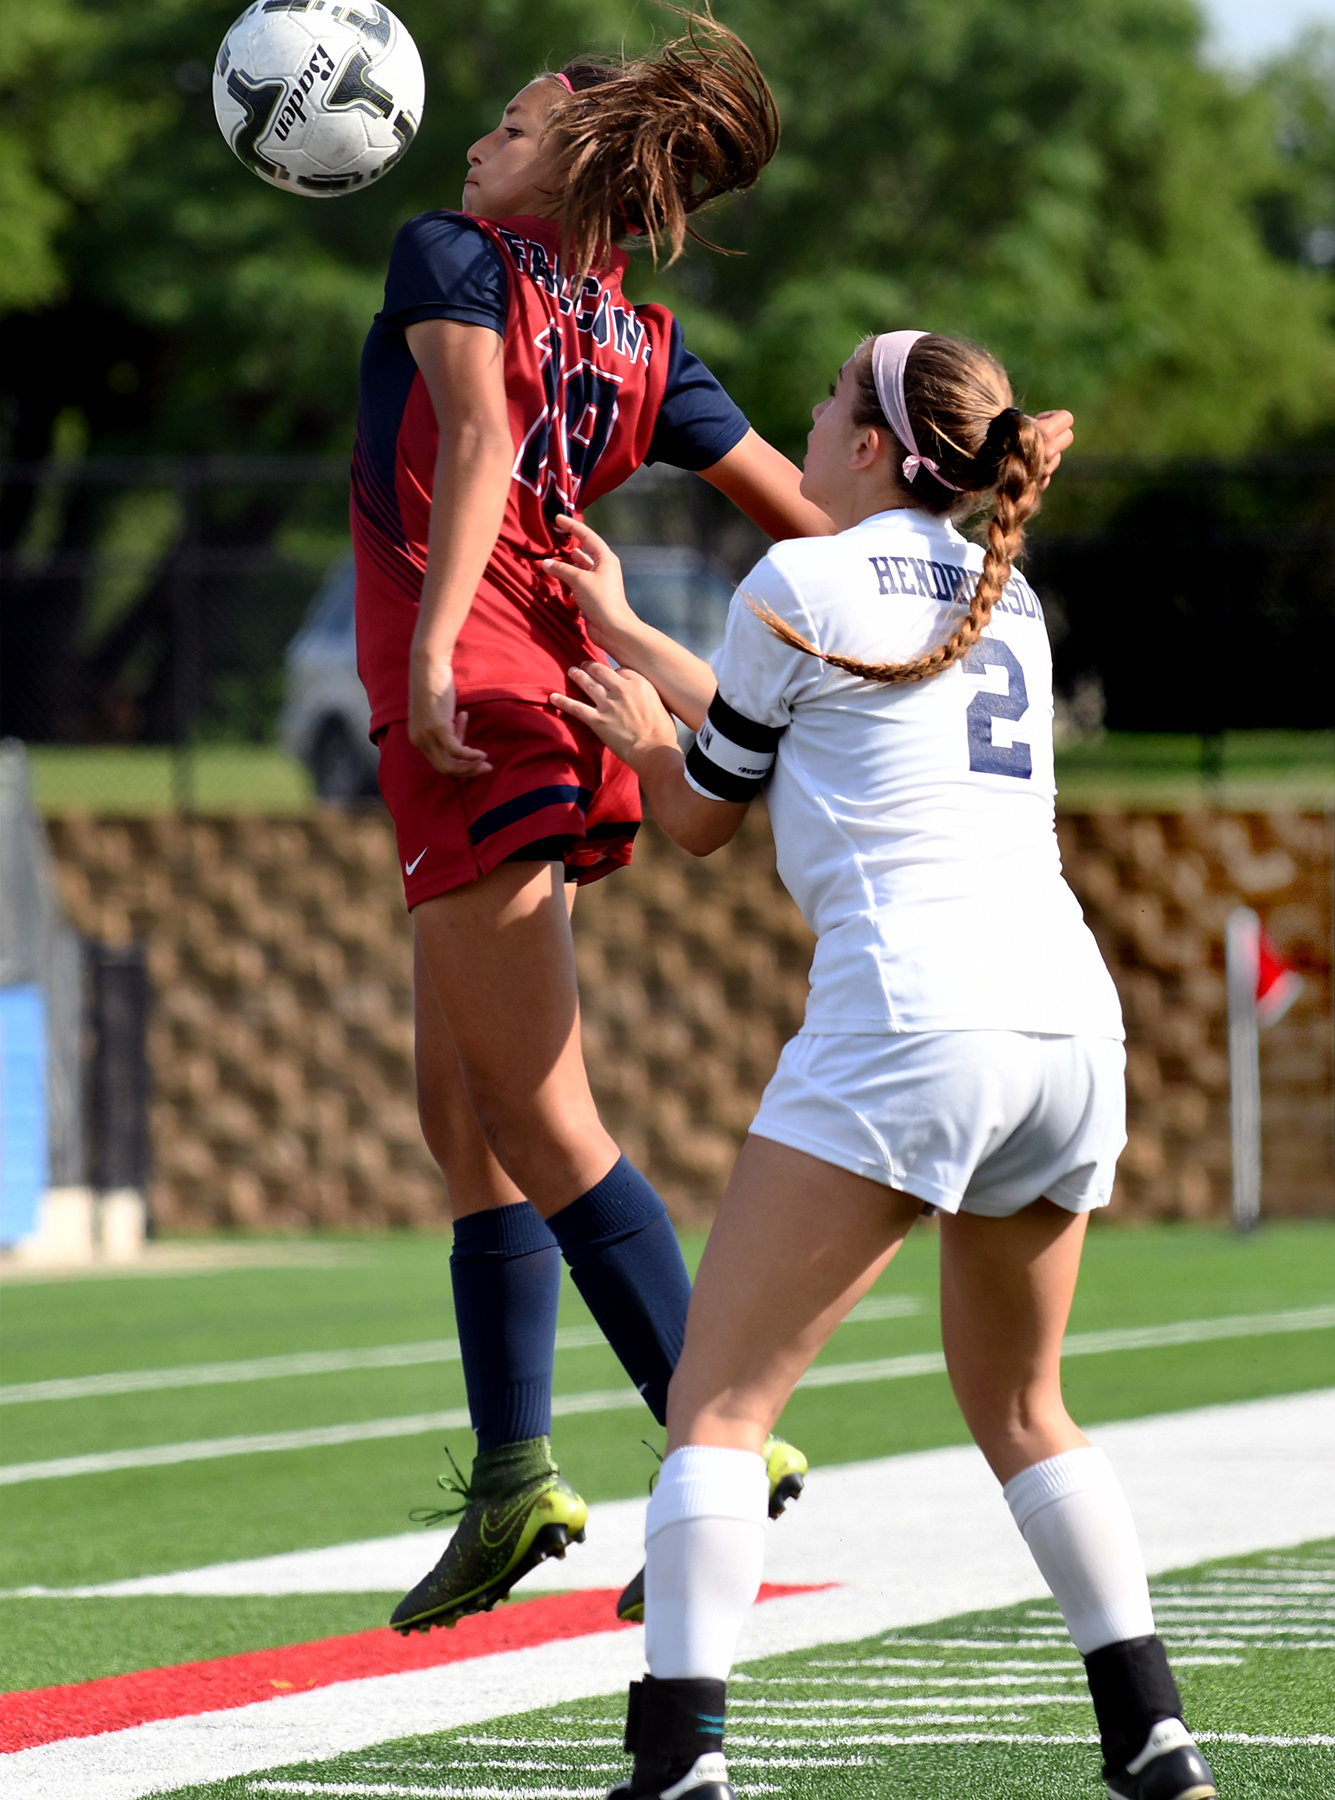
(704, 1545)
(1075, 1519)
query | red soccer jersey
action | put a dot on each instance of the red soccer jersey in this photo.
(585, 379)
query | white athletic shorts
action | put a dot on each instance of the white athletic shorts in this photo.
(968, 1121)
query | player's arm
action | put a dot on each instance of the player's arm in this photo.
(463, 368)
(627, 714)
(592, 572)
(762, 482)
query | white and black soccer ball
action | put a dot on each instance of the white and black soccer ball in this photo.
(317, 97)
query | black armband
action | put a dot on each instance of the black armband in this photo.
(731, 755)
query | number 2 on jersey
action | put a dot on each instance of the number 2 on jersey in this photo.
(985, 757)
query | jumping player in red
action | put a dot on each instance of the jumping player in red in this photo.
(506, 384)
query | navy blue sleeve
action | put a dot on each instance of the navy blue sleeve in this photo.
(697, 424)
(443, 267)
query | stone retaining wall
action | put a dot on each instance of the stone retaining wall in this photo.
(281, 1040)
(1156, 889)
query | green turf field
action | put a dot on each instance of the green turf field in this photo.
(361, 1295)
(1162, 771)
(131, 778)
(985, 1706)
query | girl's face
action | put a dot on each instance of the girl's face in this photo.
(831, 443)
(847, 470)
(509, 173)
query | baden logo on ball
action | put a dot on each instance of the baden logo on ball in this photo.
(318, 98)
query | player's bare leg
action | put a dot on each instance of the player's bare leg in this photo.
(477, 1183)
(499, 957)
(500, 960)
(788, 1224)
(819, 1236)
(795, 1244)
(506, 1273)
(506, 1106)
(474, 1180)
(1006, 1291)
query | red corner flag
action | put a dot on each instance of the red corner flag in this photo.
(1261, 988)
(1278, 984)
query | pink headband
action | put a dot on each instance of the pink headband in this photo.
(631, 230)
(889, 354)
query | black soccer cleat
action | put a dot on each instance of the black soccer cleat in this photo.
(706, 1779)
(1148, 1753)
(674, 1730)
(1169, 1767)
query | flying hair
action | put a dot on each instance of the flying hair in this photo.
(959, 404)
(643, 143)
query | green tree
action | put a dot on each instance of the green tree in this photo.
(64, 132)
(1138, 236)
(1063, 179)
(1298, 214)
(213, 312)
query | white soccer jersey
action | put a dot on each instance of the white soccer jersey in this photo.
(914, 826)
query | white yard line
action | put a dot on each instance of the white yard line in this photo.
(261, 1368)
(336, 1362)
(157, 1456)
(910, 1538)
(413, 1791)
(1200, 1331)
(1096, 1343)
(318, 1437)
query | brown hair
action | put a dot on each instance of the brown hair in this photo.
(644, 143)
(959, 404)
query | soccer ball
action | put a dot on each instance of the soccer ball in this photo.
(317, 97)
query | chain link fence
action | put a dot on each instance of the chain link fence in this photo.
(150, 603)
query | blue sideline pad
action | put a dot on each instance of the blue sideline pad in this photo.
(24, 1158)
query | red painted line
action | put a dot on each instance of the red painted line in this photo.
(86, 1708)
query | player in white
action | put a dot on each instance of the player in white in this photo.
(962, 1046)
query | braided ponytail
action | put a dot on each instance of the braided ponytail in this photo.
(959, 404)
(644, 144)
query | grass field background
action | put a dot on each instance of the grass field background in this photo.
(1137, 770)
(89, 1529)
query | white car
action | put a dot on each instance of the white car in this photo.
(326, 717)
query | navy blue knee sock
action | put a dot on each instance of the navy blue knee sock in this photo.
(505, 1269)
(625, 1261)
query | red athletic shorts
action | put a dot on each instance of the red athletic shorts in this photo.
(555, 793)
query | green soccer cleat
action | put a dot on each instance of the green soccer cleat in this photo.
(517, 1510)
(787, 1470)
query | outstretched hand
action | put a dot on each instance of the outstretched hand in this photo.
(1058, 430)
(592, 572)
(622, 708)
